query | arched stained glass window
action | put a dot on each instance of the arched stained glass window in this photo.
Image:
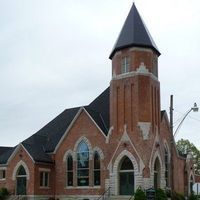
(69, 170)
(83, 164)
(97, 169)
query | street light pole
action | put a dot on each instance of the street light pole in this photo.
(173, 134)
(194, 109)
(171, 143)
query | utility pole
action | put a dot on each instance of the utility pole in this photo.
(171, 144)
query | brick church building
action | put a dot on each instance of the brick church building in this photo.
(120, 141)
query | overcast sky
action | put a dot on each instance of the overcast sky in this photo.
(54, 55)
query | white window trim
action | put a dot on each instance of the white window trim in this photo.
(69, 171)
(44, 169)
(43, 180)
(125, 65)
(3, 169)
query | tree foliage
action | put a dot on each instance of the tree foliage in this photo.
(184, 147)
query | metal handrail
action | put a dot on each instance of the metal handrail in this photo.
(131, 197)
(17, 197)
(103, 196)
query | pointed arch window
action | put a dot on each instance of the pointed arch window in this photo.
(167, 167)
(126, 177)
(21, 177)
(191, 185)
(157, 174)
(69, 170)
(83, 164)
(97, 169)
(21, 171)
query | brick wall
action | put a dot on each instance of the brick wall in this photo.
(83, 128)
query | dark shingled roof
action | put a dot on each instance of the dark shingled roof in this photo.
(55, 129)
(5, 153)
(4, 149)
(43, 142)
(134, 34)
(102, 106)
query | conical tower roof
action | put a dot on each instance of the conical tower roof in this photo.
(134, 34)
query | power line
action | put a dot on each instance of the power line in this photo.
(194, 118)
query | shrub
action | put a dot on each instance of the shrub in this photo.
(140, 194)
(3, 193)
(193, 197)
(168, 193)
(177, 196)
(160, 194)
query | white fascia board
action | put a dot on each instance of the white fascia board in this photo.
(68, 128)
(94, 123)
(72, 123)
(15, 152)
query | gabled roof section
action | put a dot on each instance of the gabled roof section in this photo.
(45, 141)
(5, 153)
(50, 135)
(164, 116)
(163, 112)
(99, 110)
(4, 149)
(134, 34)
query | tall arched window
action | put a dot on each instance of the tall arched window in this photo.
(21, 171)
(126, 177)
(191, 185)
(157, 173)
(69, 170)
(97, 167)
(167, 167)
(83, 164)
(21, 181)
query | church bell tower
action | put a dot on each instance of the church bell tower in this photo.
(135, 88)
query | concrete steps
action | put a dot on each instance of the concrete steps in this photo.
(120, 197)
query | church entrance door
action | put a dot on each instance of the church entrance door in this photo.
(126, 177)
(21, 181)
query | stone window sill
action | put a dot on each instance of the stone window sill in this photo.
(46, 188)
(83, 187)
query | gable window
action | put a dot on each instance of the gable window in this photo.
(83, 164)
(69, 171)
(125, 65)
(97, 173)
(2, 174)
(44, 179)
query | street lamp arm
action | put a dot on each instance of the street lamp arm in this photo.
(194, 108)
(182, 122)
